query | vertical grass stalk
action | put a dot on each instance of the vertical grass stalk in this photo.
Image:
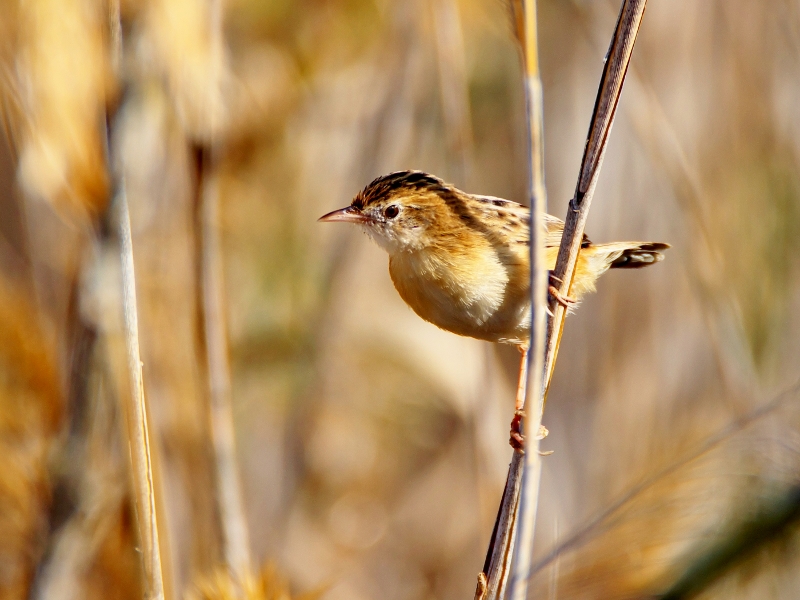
(135, 405)
(229, 495)
(236, 540)
(491, 582)
(514, 518)
(605, 108)
(534, 404)
(136, 413)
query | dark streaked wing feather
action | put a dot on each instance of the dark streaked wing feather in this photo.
(518, 217)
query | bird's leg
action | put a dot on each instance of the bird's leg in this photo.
(565, 301)
(517, 440)
(523, 379)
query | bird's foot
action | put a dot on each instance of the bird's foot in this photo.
(563, 300)
(516, 439)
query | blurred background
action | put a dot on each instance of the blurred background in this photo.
(373, 447)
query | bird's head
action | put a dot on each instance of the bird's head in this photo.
(403, 211)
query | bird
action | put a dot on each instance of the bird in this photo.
(461, 261)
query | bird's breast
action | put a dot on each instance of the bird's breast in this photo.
(473, 295)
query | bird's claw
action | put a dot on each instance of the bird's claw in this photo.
(563, 300)
(517, 440)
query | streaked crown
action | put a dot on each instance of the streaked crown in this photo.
(399, 183)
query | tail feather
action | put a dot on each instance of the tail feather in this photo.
(639, 255)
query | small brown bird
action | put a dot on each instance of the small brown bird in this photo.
(461, 261)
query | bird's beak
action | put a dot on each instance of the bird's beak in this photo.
(346, 215)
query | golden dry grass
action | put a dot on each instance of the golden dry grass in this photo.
(372, 447)
(267, 584)
(31, 409)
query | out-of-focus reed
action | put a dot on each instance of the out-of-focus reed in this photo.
(372, 447)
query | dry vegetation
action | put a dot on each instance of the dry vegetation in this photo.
(372, 447)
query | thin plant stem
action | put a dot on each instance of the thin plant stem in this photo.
(135, 405)
(491, 582)
(605, 108)
(499, 560)
(529, 500)
(136, 413)
(236, 539)
(236, 542)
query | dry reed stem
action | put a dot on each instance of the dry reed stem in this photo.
(229, 495)
(616, 66)
(529, 500)
(618, 57)
(236, 541)
(492, 580)
(136, 416)
(135, 406)
(501, 551)
(497, 568)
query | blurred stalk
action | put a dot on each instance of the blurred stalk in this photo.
(229, 494)
(491, 582)
(498, 566)
(136, 412)
(770, 522)
(529, 500)
(661, 141)
(454, 88)
(136, 408)
(596, 524)
(236, 541)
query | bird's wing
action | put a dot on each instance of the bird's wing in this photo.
(512, 221)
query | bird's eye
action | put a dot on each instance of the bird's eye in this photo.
(391, 211)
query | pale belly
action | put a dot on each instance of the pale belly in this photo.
(490, 302)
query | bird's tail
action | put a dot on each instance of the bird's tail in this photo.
(634, 255)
